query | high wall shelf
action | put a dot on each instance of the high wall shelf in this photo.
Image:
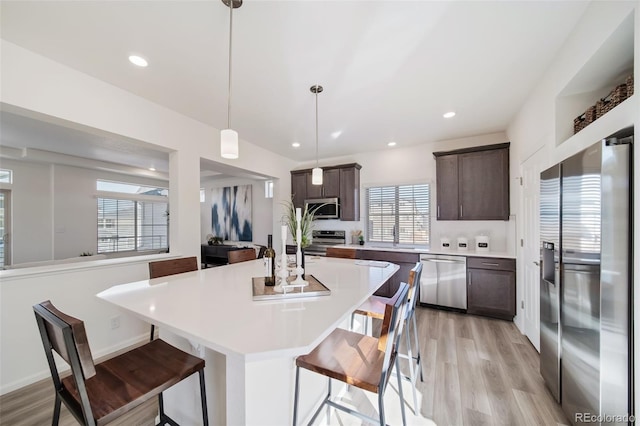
(609, 66)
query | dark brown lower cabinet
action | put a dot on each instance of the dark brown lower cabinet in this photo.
(491, 287)
(406, 261)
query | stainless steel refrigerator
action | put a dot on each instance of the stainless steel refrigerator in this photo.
(586, 281)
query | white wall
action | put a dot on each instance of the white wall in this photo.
(33, 83)
(533, 128)
(416, 164)
(261, 208)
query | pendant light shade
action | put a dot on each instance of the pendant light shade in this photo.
(316, 173)
(316, 176)
(229, 144)
(229, 137)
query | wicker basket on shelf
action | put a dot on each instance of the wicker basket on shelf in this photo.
(606, 104)
(629, 86)
(583, 120)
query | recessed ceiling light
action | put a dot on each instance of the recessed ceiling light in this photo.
(153, 169)
(295, 145)
(138, 60)
(391, 144)
(337, 134)
(449, 114)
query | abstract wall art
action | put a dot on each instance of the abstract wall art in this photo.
(231, 213)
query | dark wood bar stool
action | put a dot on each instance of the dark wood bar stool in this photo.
(374, 308)
(241, 255)
(97, 394)
(163, 268)
(359, 360)
(343, 253)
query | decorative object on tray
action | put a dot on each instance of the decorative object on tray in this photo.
(282, 273)
(299, 269)
(291, 291)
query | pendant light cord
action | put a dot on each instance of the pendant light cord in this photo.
(230, 38)
(317, 125)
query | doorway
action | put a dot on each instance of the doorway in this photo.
(531, 169)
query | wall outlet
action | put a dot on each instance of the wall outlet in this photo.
(115, 322)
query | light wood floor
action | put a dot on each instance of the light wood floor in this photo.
(477, 371)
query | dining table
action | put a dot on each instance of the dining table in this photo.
(249, 344)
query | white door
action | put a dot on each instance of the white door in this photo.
(531, 169)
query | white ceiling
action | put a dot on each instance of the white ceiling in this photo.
(390, 69)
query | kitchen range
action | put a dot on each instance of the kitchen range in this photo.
(585, 281)
(323, 239)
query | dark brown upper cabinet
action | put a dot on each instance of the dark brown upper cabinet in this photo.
(473, 183)
(342, 182)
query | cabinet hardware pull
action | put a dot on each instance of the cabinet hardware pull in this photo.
(461, 215)
(438, 211)
(469, 278)
(490, 264)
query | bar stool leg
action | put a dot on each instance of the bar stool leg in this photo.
(412, 372)
(401, 395)
(203, 399)
(381, 408)
(415, 335)
(56, 411)
(295, 397)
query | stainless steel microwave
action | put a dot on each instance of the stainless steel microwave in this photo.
(324, 208)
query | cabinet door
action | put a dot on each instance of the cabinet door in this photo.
(447, 187)
(484, 185)
(331, 183)
(491, 293)
(349, 193)
(299, 188)
(314, 191)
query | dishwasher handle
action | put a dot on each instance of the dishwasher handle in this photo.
(443, 261)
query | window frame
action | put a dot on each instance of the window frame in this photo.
(394, 213)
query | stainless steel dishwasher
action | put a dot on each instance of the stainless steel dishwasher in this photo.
(444, 281)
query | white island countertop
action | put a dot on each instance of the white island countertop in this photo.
(214, 306)
(249, 346)
(422, 250)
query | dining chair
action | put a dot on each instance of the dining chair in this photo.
(163, 268)
(97, 394)
(242, 255)
(340, 252)
(374, 307)
(359, 360)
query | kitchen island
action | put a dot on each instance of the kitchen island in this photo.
(249, 346)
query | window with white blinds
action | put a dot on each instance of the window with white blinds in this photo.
(398, 214)
(130, 225)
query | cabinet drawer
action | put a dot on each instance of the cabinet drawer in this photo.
(494, 263)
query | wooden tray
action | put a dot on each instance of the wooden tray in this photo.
(263, 292)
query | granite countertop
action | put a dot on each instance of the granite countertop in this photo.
(423, 250)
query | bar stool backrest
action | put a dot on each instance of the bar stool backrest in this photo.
(414, 284)
(392, 330)
(66, 336)
(242, 255)
(163, 268)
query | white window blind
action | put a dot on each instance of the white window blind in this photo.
(398, 214)
(129, 225)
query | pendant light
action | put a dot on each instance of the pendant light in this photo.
(316, 173)
(229, 137)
